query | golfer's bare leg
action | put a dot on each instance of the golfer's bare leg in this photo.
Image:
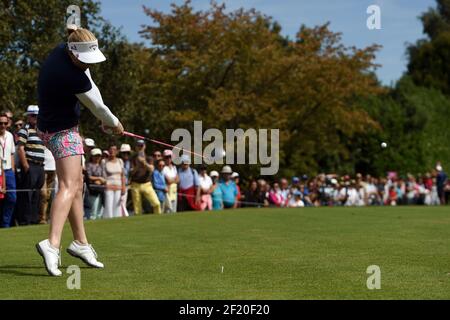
(76, 216)
(69, 184)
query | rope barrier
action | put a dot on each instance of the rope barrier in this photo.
(241, 202)
(28, 190)
(178, 193)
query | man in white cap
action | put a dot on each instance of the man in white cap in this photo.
(95, 181)
(229, 190)
(125, 152)
(125, 147)
(31, 160)
(89, 144)
(189, 186)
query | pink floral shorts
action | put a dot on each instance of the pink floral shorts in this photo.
(63, 143)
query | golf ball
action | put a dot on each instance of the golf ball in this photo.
(218, 154)
(383, 144)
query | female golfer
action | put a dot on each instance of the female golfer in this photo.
(64, 81)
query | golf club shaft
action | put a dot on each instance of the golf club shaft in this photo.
(133, 135)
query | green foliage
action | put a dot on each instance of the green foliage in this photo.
(414, 122)
(428, 64)
(420, 102)
(236, 70)
(436, 20)
(28, 31)
(428, 58)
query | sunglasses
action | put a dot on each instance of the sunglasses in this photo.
(4, 123)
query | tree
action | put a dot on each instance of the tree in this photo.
(28, 31)
(413, 122)
(235, 70)
(428, 58)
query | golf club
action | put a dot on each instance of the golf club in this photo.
(136, 136)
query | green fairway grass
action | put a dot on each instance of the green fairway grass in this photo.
(313, 253)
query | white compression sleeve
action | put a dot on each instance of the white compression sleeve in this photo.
(92, 100)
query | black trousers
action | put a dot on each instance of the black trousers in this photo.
(28, 201)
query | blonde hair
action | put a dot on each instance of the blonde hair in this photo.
(81, 35)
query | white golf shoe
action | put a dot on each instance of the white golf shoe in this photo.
(51, 257)
(86, 253)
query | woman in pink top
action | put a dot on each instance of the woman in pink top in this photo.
(275, 197)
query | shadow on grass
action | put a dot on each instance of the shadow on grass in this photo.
(25, 270)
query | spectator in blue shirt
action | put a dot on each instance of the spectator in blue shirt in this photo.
(228, 188)
(216, 194)
(159, 182)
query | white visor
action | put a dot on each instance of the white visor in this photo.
(87, 52)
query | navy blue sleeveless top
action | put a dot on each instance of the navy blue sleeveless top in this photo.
(58, 83)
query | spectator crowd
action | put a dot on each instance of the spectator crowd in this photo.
(333, 190)
(121, 180)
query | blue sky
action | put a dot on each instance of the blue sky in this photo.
(399, 22)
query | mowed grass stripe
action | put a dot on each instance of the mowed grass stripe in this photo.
(312, 253)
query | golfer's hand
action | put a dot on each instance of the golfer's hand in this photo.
(119, 129)
(114, 130)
